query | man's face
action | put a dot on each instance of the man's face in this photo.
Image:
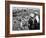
(32, 15)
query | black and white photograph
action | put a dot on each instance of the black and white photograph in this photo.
(25, 18)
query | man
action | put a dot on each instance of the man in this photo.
(31, 21)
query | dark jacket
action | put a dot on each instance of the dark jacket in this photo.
(35, 25)
(31, 23)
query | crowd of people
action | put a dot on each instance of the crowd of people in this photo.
(27, 22)
(30, 22)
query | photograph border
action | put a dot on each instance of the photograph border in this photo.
(7, 18)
